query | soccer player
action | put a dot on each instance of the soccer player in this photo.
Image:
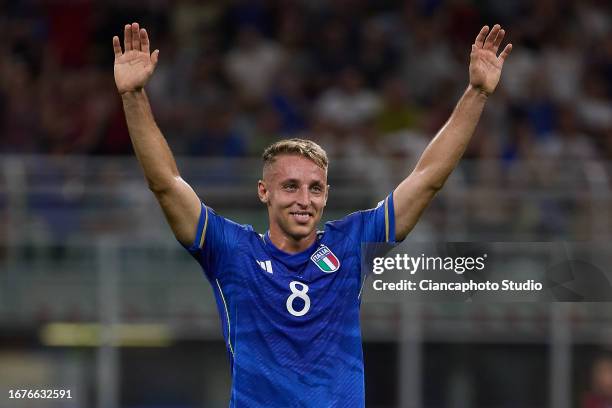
(289, 299)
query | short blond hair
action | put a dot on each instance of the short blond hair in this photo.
(301, 147)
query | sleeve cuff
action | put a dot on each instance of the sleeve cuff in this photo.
(389, 219)
(200, 237)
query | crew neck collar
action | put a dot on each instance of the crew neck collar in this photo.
(306, 252)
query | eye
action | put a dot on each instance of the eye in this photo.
(316, 189)
(290, 187)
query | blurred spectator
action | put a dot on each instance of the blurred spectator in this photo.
(253, 13)
(333, 50)
(376, 55)
(189, 17)
(563, 66)
(397, 112)
(462, 17)
(428, 62)
(19, 120)
(215, 133)
(600, 395)
(520, 144)
(253, 64)
(288, 101)
(594, 17)
(538, 106)
(518, 70)
(595, 106)
(348, 104)
(566, 141)
(293, 36)
(264, 130)
(70, 24)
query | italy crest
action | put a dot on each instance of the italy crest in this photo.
(325, 259)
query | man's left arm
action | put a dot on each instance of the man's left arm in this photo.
(442, 154)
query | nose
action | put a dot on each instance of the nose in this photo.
(303, 198)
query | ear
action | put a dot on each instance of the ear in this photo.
(326, 195)
(262, 191)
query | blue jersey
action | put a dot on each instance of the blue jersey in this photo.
(291, 321)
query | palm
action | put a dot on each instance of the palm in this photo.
(485, 65)
(134, 67)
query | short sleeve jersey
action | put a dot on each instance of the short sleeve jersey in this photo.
(291, 321)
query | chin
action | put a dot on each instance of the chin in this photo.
(301, 231)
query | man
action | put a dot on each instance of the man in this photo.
(289, 299)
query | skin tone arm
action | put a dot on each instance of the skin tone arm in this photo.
(133, 68)
(442, 154)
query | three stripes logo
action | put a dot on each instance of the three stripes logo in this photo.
(266, 266)
(325, 259)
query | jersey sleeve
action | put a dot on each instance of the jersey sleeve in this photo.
(379, 222)
(216, 238)
(373, 225)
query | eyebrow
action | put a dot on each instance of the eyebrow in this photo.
(296, 181)
(290, 180)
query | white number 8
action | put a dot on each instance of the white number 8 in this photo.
(296, 293)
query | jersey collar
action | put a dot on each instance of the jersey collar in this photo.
(296, 257)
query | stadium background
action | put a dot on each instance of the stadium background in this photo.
(97, 297)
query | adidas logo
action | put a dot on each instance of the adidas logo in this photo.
(266, 266)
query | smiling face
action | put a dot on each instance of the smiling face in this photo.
(294, 189)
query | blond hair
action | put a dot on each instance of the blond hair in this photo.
(301, 147)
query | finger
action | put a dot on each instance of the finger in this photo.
(144, 40)
(492, 36)
(498, 40)
(155, 58)
(481, 36)
(504, 54)
(127, 37)
(116, 47)
(135, 37)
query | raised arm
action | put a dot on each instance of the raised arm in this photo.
(442, 154)
(133, 68)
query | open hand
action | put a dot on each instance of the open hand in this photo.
(485, 65)
(134, 67)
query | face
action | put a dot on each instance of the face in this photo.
(295, 190)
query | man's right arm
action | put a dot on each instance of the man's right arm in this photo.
(133, 68)
(179, 202)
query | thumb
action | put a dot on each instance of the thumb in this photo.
(155, 57)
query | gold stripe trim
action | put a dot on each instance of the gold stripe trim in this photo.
(229, 338)
(387, 219)
(203, 237)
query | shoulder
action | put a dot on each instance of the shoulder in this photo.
(346, 223)
(227, 223)
(371, 225)
(220, 228)
(354, 220)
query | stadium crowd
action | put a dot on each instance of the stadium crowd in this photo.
(360, 76)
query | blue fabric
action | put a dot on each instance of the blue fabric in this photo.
(291, 329)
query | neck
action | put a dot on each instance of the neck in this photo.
(289, 244)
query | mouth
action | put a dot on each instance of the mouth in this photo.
(301, 217)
